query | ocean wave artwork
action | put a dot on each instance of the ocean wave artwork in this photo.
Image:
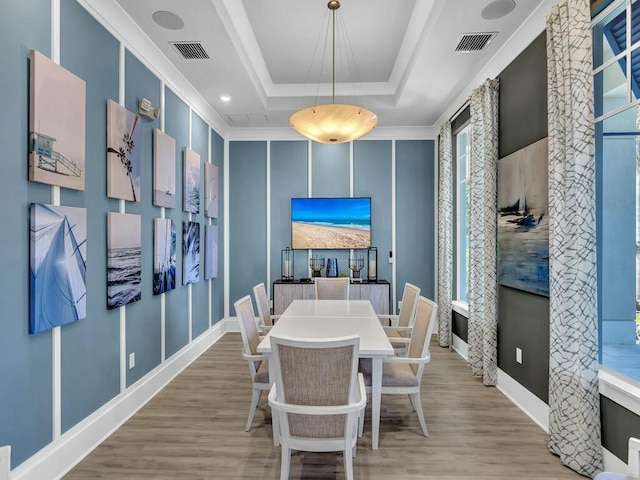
(523, 222)
(123, 153)
(124, 260)
(211, 252)
(210, 190)
(58, 252)
(190, 252)
(191, 182)
(164, 170)
(164, 256)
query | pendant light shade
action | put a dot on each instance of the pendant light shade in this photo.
(333, 122)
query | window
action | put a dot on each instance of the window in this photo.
(462, 139)
(616, 76)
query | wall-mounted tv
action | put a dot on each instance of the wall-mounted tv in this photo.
(330, 223)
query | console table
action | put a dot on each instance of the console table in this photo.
(378, 293)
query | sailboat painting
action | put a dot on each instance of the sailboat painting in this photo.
(123, 153)
(211, 252)
(58, 248)
(523, 221)
(124, 259)
(190, 252)
(164, 256)
(56, 124)
(191, 182)
(164, 170)
(210, 190)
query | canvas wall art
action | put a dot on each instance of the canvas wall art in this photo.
(58, 264)
(523, 221)
(191, 182)
(124, 259)
(211, 252)
(164, 170)
(56, 124)
(210, 190)
(164, 256)
(190, 252)
(123, 153)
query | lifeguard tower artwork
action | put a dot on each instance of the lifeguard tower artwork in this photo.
(56, 125)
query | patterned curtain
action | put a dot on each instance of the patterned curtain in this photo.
(483, 318)
(445, 234)
(574, 413)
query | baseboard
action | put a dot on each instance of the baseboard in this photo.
(526, 401)
(613, 463)
(460, 346)
(60, 456)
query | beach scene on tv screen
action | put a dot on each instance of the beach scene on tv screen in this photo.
(330, 223)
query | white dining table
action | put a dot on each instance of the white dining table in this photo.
(318, 319)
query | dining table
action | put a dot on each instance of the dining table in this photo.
(322, 319)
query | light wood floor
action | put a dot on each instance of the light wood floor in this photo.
(194, 429)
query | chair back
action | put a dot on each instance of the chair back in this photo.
(315, 373)
(332, 288)
(407, 313)
(422, 331)
(262, 302)
(248, 330)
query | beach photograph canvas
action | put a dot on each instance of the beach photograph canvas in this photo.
(164, 256)
(123, 153)
(211, 252)
(210, 190)
(191, 182)
(330, 223)
(523, 220)
(58, 264)
(190, 252)
(57, 111)
(124, 259)
(164, 170)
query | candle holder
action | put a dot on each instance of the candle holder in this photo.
(356, 263)
(372, 257)
(286, 265)
(317, 264)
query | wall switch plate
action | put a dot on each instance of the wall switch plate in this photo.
(5, 462)
(518, 355)
(132, 360)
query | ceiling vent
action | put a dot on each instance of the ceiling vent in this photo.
(191, 50)
(247, 117)
(473, 42)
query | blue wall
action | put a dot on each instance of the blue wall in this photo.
(217, 284)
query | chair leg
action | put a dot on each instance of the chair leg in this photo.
(361, 423)
(255, 398)
(417, 403)
(348, 463)
(285, 463)
(412, 405)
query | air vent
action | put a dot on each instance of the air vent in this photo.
(191, 50)
(473, 42)
(247, 117)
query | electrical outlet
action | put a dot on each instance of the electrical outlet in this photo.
(132, 360)
(518, 355)
(5, 462)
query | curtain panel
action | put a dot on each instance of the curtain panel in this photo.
(483, 316)
(445, 234)
(574, 408)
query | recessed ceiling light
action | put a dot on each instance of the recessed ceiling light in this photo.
(497, 9)
(225, 98)
(168, 20)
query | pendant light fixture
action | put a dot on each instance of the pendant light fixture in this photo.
(334, 122)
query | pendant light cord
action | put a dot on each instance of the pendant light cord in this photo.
(333, 21)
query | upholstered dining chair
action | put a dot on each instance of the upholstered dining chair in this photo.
(403, 375)
(264, 311)
(332, 288)
(258, 364)
(399, 326)
(317, 395)
(633, 465)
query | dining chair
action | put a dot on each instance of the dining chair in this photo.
(332, 288)
(258, 364)
(403, 375)
(633, 465)
(317, 396)
(264, 311)
(399, 328)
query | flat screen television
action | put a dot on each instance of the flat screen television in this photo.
(330, 223)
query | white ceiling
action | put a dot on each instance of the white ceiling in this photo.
(403, 64)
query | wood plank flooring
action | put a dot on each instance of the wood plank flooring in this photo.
(194, 429)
